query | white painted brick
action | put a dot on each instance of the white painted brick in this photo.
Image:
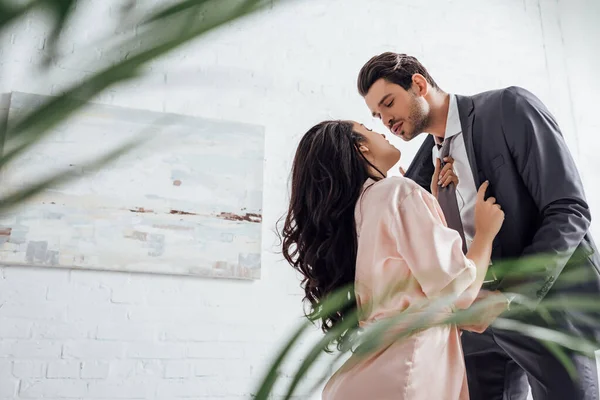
(128, 294)
(14, 328)
(58, 388)
(150, 369)
(93, 349)
(20, 349)
(216, 351)
(168, 315)
(98, 277)
(63, 369)
(242, 387)
(201, 333)
(8, 382)
(6, 367)
(215, 368)
(155, 351)
(260, 351)
(131, 332)
(43, 312)
(178, 369)
(8, 388)
(11, 292)
(246, 333)
(88, 315)
(193, 388)
(29, 369)
(122, 369)
(60, 330)
(31, 275)
(132, 389)
(95, 369)
(145, 314)
(81, 294)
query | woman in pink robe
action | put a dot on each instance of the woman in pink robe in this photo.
(348, 223)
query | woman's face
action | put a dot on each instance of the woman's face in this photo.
(377, 149)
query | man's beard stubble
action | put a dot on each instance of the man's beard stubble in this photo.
(419, 120)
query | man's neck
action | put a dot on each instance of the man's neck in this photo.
(439, 103)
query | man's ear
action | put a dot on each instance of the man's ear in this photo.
(420, 84)
(363, 149)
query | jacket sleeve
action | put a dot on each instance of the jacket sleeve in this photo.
(544, 162)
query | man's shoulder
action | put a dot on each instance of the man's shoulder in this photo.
(510, 94)
(508, 101)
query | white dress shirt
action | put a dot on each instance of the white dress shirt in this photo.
(466, 191)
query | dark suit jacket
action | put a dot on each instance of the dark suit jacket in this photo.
(513, 141)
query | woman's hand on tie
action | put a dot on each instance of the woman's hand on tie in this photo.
(443, 176)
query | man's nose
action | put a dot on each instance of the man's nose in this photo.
(387, 120)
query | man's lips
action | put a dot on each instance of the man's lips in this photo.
(397, 128)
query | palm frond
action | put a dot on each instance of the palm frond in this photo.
(162, 33)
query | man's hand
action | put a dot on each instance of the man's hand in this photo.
(493, 304)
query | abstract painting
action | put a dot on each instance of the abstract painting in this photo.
(187, 201)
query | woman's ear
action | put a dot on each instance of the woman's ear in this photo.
(363, 149)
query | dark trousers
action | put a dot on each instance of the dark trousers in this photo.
(501, 365)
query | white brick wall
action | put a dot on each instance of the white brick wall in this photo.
(579, 22)
(100, 335)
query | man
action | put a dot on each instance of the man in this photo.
(508, 137)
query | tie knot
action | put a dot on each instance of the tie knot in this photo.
(444, 147)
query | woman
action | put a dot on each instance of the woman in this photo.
(348, 225)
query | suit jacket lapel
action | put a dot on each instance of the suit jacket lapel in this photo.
(466, 114)
(466, 111)
(421, 168)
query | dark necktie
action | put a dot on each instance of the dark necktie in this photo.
(447, 198)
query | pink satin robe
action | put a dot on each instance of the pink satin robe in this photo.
(406, 255)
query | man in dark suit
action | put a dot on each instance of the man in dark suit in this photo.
(509, 138)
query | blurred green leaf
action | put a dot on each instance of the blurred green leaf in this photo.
(569, 341)
(15, 199)
(60, 11)
(266, 385)
(161, 34)
(317, 350)
(562, 356)
(180, 7)
(384, 332)
(317, 384)
(9, 11)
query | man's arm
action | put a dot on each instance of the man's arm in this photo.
(545, 164)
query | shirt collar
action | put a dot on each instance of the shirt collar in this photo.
(453, 126)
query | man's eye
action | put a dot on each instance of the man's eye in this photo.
(390, 104)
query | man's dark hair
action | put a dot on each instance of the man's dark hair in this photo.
(393, 67)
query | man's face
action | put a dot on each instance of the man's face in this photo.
(405, 113)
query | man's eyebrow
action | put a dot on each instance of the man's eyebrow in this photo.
(384, 98)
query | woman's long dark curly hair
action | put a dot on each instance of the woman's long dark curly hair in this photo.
(319, 234)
